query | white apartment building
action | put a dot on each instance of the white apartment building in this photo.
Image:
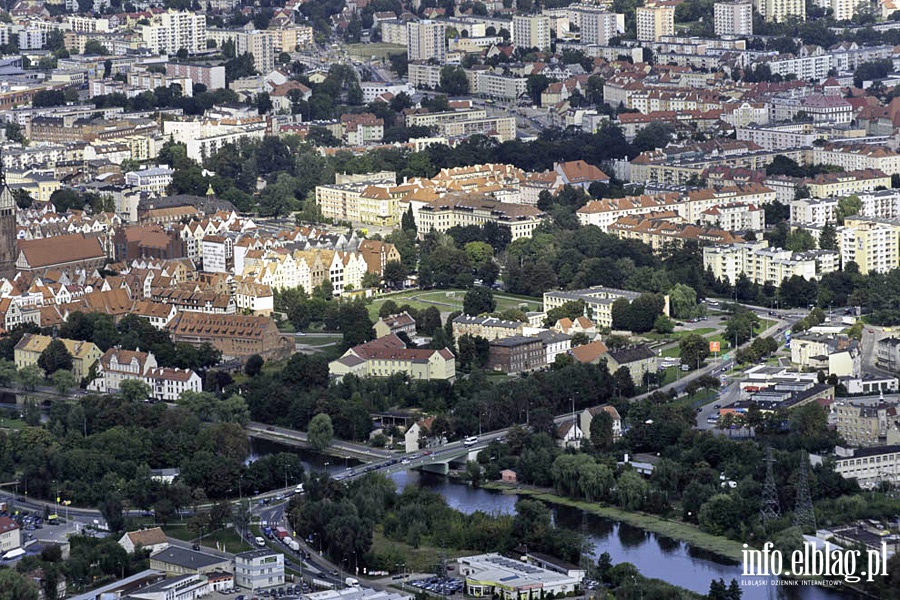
(171, 31)
(814, 212)
(809, 67)
(167, 385)
(394, 32)
(857, 158)
(884, 204)
(499, 86)
(258, 569)
(872, 243)
(154, 180)
(117, 365)
(531, 31)
(32, 39)
(762, 264)
(734, 18)
(843, 10)
(597, 25)
(779, 10)
(653, 22)
(218, 253)
(736, 217)
(261, 44)
(205, 137)
(426, 40)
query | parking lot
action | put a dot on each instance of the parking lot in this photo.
(445, 586)
(288, 592)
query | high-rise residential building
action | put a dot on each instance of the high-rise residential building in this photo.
(843, 10)
(531, 31)
(655, 21)
(261, 44)
(872, 243)
(426, 40)
(171, 31)
(599, 27)
(779, 10)
(734, 18)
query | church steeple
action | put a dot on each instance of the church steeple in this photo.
(8, 250)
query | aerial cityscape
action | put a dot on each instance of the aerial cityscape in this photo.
(449, 300)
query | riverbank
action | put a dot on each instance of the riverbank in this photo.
(666, 527)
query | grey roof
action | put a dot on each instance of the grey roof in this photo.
(163, 585)
(251, 554)
(187, 558)
(515, 340)
(631, 354)
(487, 322)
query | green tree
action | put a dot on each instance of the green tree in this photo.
(828, 237)
(848, 207)
(254, 365)
(694, 350)
(320, 431)
(479, 300)
(394, 273)
(602, 431)
(663, 325)
(30, 377)
(631, 490)
(55, 357)
(453, 81)
(536, 84)
(15, 586)
(63, 381)
(683, 301)
(95, 47)
(134, 390)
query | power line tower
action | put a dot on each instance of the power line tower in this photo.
(804, 513)
(770, 509)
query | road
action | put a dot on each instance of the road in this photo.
(282, 434)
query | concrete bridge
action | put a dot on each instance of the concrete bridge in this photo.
(298, 439)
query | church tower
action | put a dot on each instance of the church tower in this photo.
(8, 253)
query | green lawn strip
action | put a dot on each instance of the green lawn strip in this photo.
(669, 528)
(228, 537)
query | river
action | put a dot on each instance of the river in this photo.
(654, 555)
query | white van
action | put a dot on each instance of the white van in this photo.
(470, 441)
(260, 542)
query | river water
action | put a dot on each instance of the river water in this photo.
(654, 555)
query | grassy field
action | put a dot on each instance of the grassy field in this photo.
(376, 49)
(673, 529)
(677, 335)
(449, 300)
(223, 539)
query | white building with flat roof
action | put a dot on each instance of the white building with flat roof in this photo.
(492, 575)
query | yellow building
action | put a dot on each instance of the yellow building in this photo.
(828, 185)
(872, 243)
(84, 354)
(388, 356)
(653, 22)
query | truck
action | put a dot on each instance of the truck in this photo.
(351, 582)
(281, 533)
(294, 545)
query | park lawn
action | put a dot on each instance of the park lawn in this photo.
(450, 300)
(376, 49)
(673, 352)
(677, 335)
(227, 537)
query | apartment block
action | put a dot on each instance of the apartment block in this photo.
(762, 264)
(814, 212)
(654, 22)
(213, 77)
(844, 10)
(531, 31)
(171, 31)
(865, 424)
(426, 40)
(779, 10)
(261, 44)
(872, 243)
(734, 18)
(598, 301)
(598, 26)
